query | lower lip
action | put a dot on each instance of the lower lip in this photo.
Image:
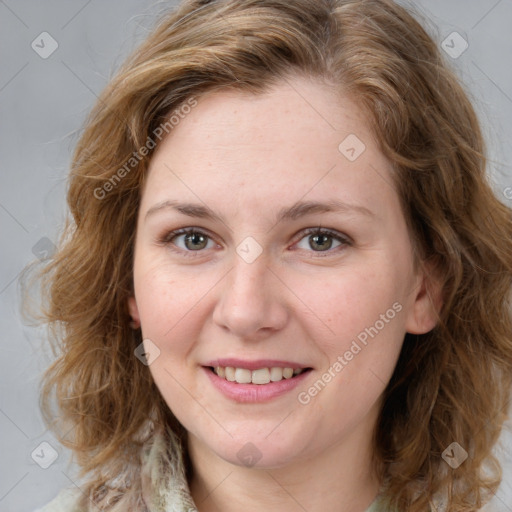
(254, 393)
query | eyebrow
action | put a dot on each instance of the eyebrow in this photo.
(294, 212)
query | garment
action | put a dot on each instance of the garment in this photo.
(66, 502)
(157, 484)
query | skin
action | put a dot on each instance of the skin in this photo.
(246, 157)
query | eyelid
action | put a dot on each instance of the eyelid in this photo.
(166, 238)
(342, 237)
(345, 240)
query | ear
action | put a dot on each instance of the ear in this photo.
(134, 312)
(424, 313)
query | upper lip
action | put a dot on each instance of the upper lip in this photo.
(254, 364)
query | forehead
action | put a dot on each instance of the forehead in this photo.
(289, 111)
(301, 138)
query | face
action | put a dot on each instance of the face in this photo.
(270, 239)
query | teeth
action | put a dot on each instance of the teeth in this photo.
(287, 373)
(259, 376)
(243, 376)
(276, 374)
(230, 374)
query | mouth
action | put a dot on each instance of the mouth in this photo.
(255, 381)
(258, 376)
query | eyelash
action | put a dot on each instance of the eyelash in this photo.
(167, 238)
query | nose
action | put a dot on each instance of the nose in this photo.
(251, 302)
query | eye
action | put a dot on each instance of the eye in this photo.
(193, 240)
(322, 240)
(189, 240)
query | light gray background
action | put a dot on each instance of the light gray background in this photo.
(43, 103)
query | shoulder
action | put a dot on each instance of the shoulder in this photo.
(66, 501)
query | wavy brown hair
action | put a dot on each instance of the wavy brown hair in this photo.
(452, 384)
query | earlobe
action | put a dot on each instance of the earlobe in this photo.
(134, 313)
(424, 314)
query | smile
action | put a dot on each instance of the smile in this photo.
(259, 376)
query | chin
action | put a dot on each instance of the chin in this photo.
(256, 451)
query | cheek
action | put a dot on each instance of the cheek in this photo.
(166, 297)
(364, 311)
(345, 303)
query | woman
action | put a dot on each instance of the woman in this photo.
(284, 283)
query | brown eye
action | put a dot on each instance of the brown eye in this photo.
(190, 240)
(195, 241)
(322, 240)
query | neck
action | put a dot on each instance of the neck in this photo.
(340, 478)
